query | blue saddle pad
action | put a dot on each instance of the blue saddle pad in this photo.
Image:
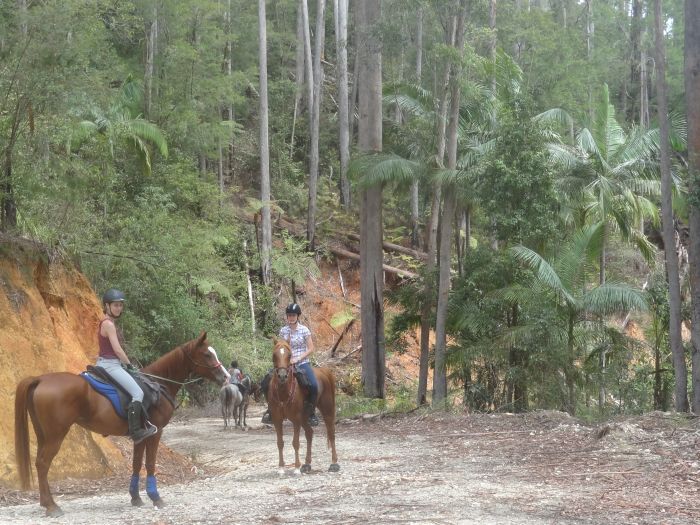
(107, 390)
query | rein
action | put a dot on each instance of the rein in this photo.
(181, 383)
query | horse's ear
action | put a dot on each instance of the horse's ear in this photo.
(202, 337)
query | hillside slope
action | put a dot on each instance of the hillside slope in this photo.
(48, 318)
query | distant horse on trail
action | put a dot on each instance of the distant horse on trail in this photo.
(57, 401)
(231, 400)
(250, 388)
(286, 401)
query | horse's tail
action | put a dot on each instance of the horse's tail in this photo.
(22, 404)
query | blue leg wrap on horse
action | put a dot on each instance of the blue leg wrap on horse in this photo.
(151, 488)
(134, 486)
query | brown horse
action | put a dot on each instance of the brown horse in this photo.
(286, 401)
(56, 401)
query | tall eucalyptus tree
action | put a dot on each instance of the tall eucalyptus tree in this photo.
(692, 104)
(315, 122)
(266, 247)
(667, 218)
(341, 45)
(371, 230)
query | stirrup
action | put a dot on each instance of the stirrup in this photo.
(313, 420)
(144, 433)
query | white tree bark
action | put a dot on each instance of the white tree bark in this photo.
(151, 36)
(315, 122)
(299, 74)
(415, 234)
(266, 247)
(341, 44)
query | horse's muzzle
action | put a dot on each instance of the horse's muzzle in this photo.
(281, 374)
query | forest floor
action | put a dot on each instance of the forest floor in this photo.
(418, 468)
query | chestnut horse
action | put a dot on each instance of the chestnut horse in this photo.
(286, 401)
(56, 401)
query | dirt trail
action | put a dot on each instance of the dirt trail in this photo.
(429, 469)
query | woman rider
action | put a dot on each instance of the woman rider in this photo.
(299, 337)
(113, 359)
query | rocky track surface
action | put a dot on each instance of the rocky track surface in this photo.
(538, 468)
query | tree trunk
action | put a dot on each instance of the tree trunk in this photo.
(308, 63)
(228, 109)
(432, 229)
(151, 36)
(440, 372)
(669, 232)
(8, 206)
(492, 42)
(635, 86)
(299, 78)
(692, 104)
(341, 39)
(266, 247)
(370, 140)
(315, 123)
(589, 51)
(415, 212)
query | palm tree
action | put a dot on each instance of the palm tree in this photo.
(564, 282)
(608, 176)
(123, 124)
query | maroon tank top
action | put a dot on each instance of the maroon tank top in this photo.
(106, 350)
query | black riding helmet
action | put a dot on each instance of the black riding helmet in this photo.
(293, 308)
(113, 296)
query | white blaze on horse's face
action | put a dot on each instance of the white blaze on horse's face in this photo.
(223, 369)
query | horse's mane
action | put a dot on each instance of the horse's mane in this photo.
(172, 360)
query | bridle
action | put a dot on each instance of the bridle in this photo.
(291, 388)
(195, 363)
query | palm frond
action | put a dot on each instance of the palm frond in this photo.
(144, 130)
(83, 131)
(611, 298)
(555, 116)
(575, 256)
(564, 156)
(381, 168)
(544, 272)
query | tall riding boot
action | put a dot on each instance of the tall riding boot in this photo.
(137, 431)
(310, 409)
(264, 385)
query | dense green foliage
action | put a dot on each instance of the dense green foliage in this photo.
(154, 202)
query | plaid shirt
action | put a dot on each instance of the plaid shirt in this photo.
(297, 339)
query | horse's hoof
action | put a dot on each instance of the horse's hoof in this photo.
(54, 512)
(280, 471)
(297, 472)
(305, 469)
(137, 502)
(334, 467)
(159, 503)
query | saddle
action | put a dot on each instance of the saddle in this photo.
(103, 383)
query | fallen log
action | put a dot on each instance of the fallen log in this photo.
(356, 256)
(394, 248)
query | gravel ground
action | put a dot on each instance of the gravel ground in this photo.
(416, 469)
